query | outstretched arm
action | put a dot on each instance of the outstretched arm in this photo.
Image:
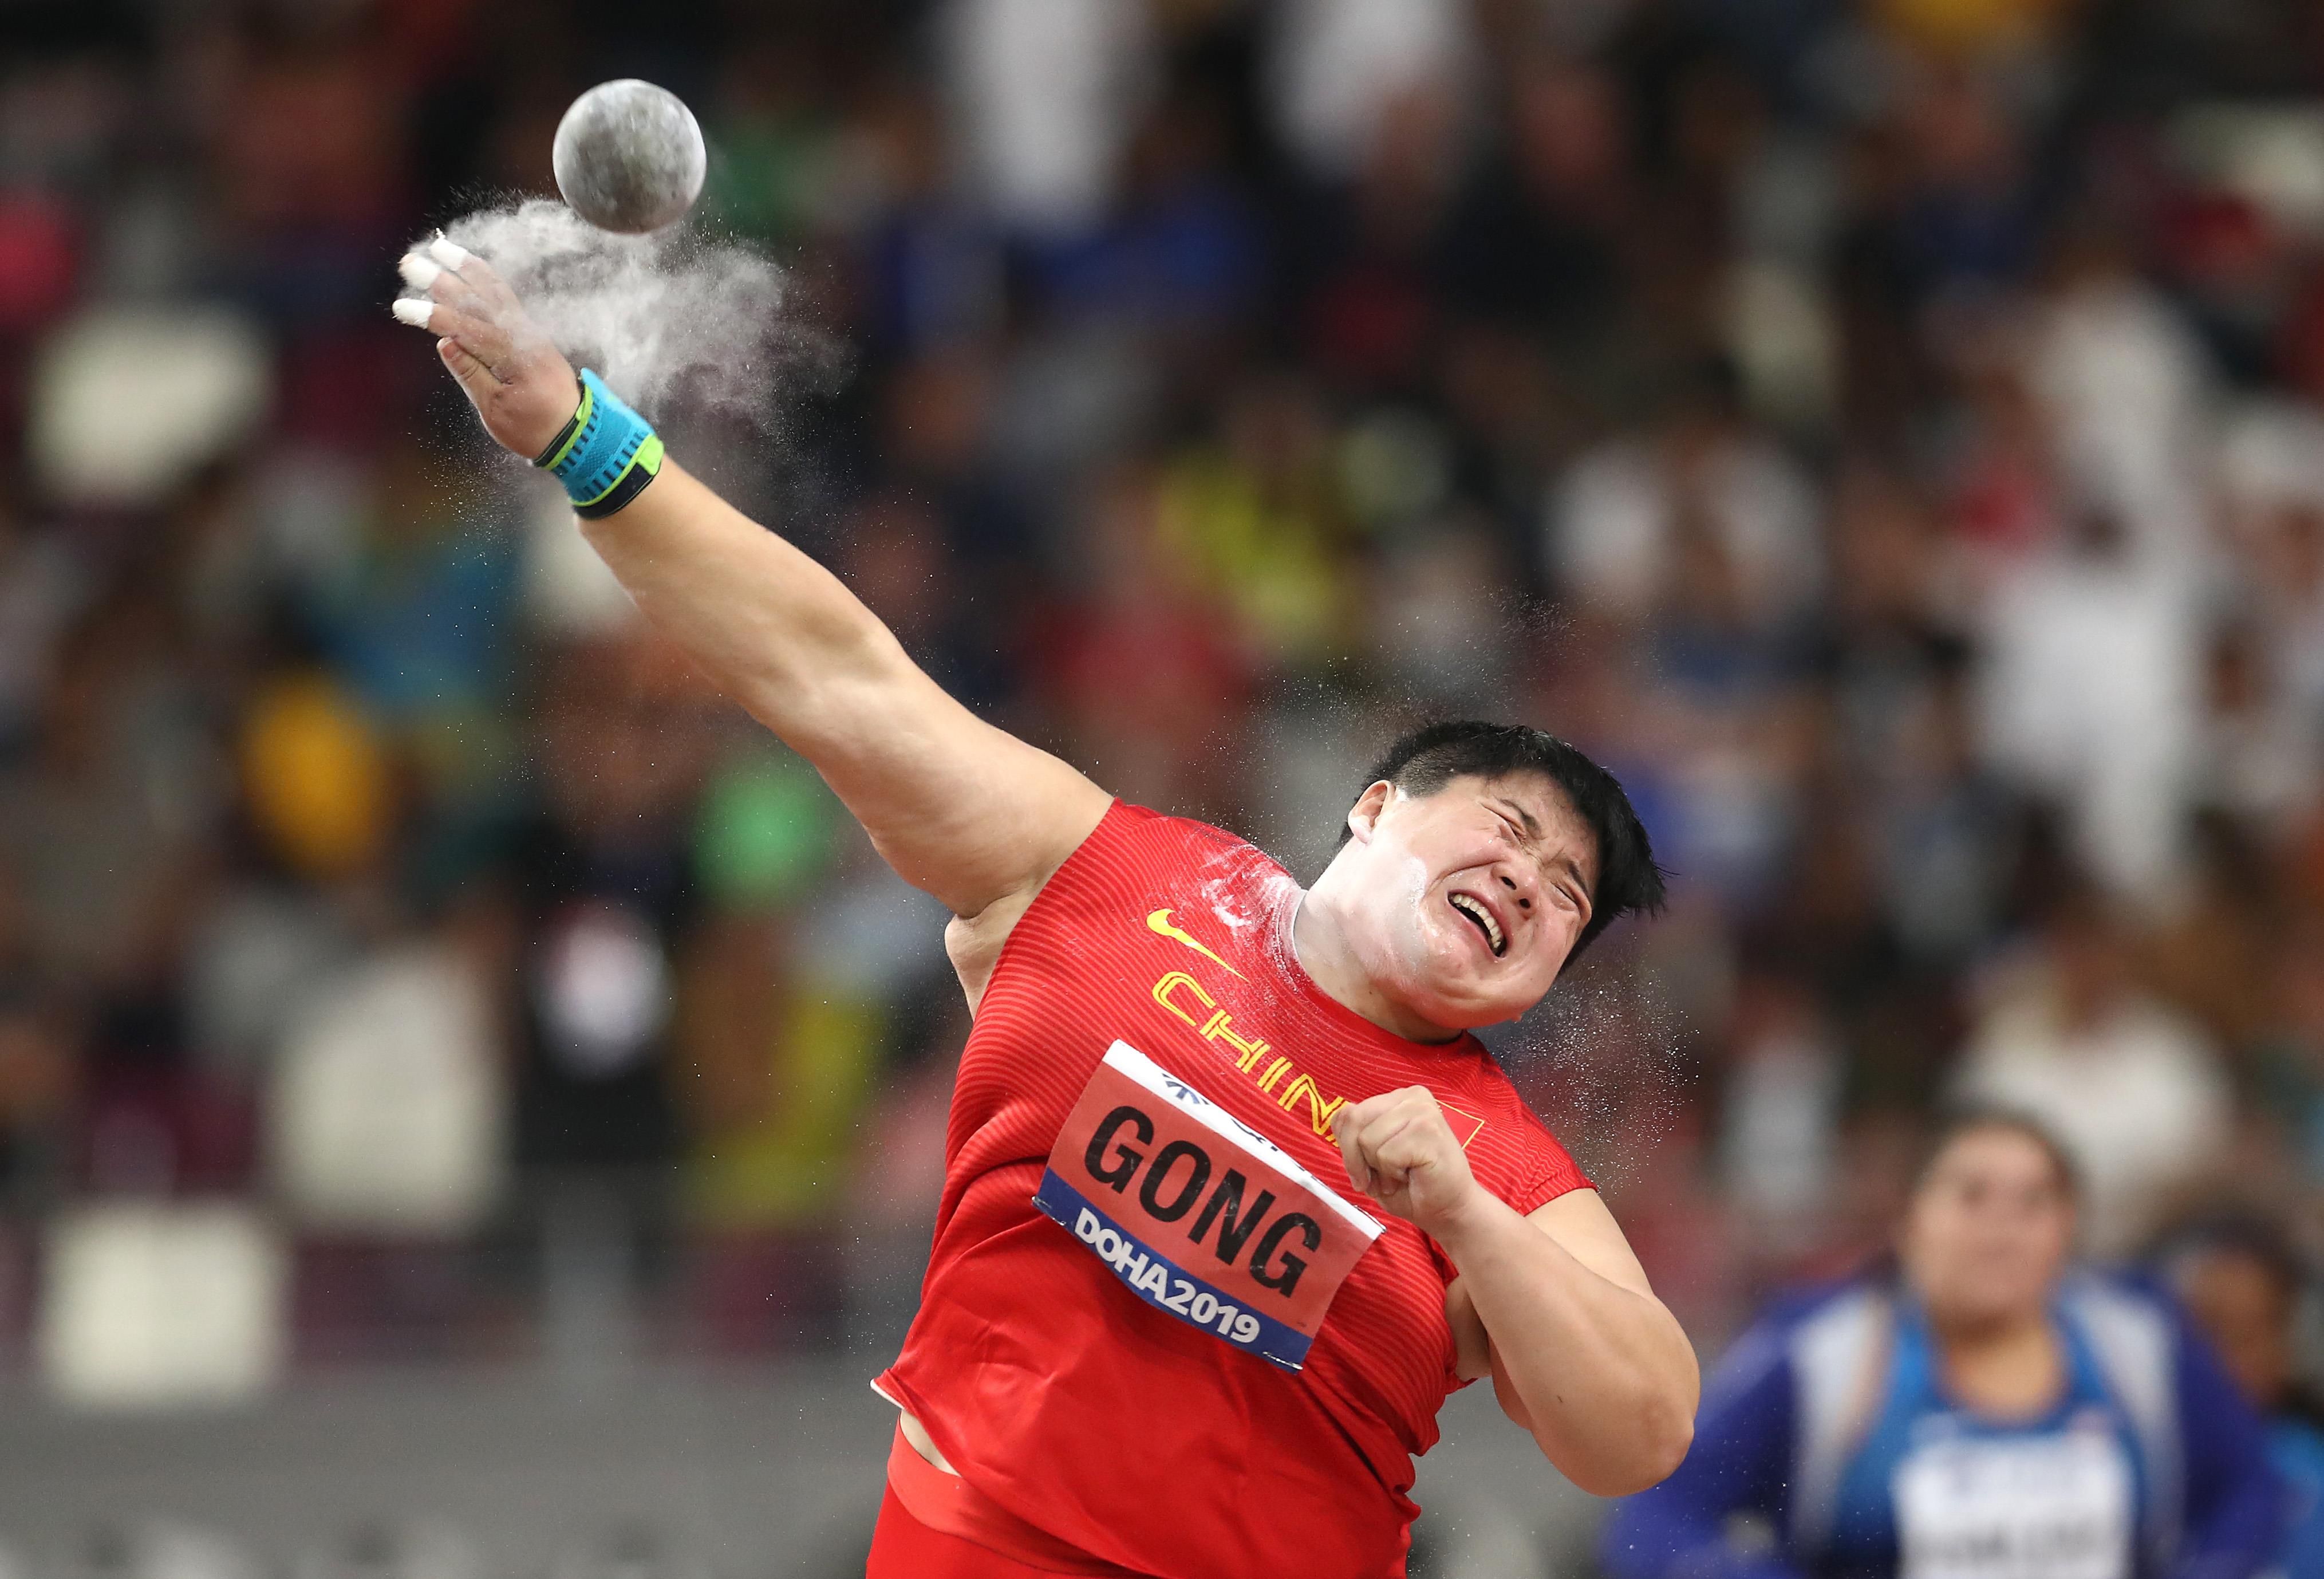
(960, 809)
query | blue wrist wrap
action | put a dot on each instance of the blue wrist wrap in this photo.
(605, 455)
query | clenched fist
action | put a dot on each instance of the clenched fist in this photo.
(1400, 1151)
(520, 384)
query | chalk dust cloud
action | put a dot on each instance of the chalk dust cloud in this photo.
(680, 323)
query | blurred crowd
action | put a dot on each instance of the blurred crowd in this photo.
(1891, 435)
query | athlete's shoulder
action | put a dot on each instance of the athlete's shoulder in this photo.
(1482, 1074)
(1138, 856)
(1160, 843)
(1512, 1151)
(1186, 833)
(1484, 1080)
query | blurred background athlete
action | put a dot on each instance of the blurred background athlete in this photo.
(1980, 1411)
(2243, 1282)
(1136, 1392)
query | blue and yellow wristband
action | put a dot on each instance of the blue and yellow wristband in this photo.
(605, 455)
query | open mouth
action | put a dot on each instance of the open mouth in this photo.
(1482, 919)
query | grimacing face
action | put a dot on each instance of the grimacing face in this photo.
(1989, 1229)
(1465, 904)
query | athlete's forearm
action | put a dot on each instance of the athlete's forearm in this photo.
(1606, 1375)
(960, 809)
(773, 629)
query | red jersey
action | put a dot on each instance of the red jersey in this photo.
(1069, 1381)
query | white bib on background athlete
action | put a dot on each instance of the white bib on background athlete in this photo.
(2050, 1507)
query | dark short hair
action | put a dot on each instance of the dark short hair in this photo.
(1960, 1120)
(2249, 1233)
(1428, 758)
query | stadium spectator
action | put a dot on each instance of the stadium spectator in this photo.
(2134, 1089)
(2243, 1283)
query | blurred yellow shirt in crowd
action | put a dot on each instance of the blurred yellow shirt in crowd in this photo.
(1270, 561)
(1974, 26)
(782, 1159)
(315, 777)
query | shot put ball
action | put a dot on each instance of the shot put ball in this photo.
(629, 156)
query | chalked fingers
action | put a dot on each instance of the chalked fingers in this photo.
(475, 380)
(444, 271)
(522, 386)
(493, 291)
(476, 335)
(452, 290)
(437, 266)
(485, 388)
(448, 255)
(452, 271)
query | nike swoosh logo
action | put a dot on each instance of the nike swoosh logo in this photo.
(1160, 922)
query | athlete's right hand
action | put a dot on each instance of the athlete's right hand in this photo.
(1400, 1151)
(520, 384)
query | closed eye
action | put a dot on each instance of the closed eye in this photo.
(1565, 892)
(1521, 834)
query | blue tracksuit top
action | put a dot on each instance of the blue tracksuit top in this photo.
(1828, 1426)
(2296, 1447)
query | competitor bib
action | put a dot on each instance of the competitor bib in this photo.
(2054, 1507)
(1198, 1214)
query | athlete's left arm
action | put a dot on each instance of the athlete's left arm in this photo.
(1554, 1305)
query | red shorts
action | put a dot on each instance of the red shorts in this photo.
(902, 1548)
(937, 1543)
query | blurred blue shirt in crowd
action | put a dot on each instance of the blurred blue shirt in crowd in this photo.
(1829, 1427)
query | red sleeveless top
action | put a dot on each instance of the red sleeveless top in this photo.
(1082, 1408)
